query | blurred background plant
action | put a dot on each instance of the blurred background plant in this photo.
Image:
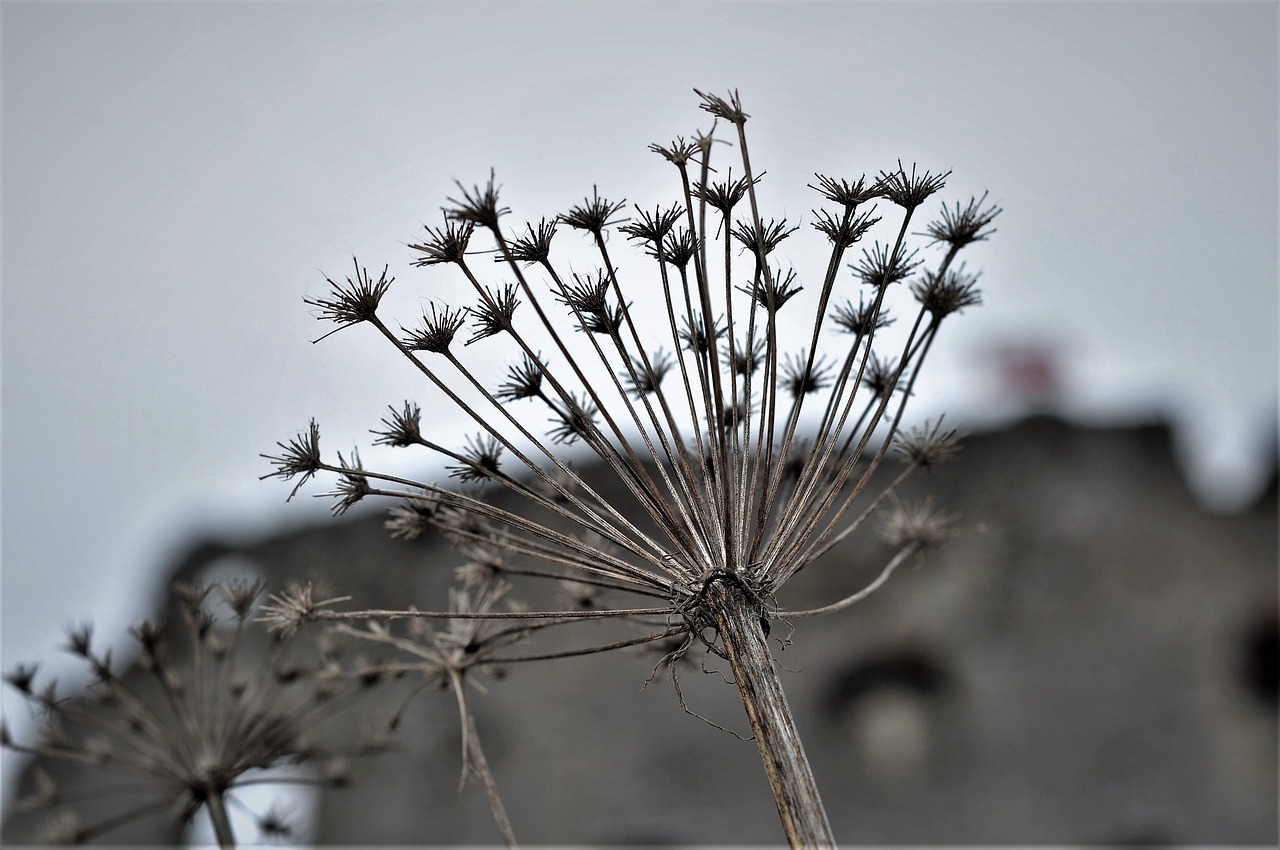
(219, 710)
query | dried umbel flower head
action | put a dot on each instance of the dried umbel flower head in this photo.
(741, 455)
(181, 735)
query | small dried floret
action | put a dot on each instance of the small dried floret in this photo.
(730, 110)
(926, 446)
(79, 638)
(594, 214)
(774, 290)
(694, 333)
(353, 484)
(437, 330)
(845, 230)
(286, 612)
(22, 677)
(948, 293)
(494, 313)
(652, 227)
(848, 194)
(678, 248)
(446, 244)
(644, 380)
(273, 825)
(148, 636)
(241, 594)
(743, 361)
(403, 427)
(589, 299)
(881, 376)
(607, 322)
(301, 456)
(908, 190)
(575, 422)
(480, 459)
(356, 301)
(478, 206)
(916, 523)
(878, 268)
(764, 239)
(191, 594)
(678, 152)
(586, 294)
(961, 226)
(801, 378)
(534, 247)
(725, 194)
(860, 320)
(524, 380)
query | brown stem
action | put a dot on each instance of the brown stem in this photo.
(217, 809)
(738, 619)
(474, 762)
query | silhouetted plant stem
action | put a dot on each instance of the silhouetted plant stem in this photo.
(739, 621)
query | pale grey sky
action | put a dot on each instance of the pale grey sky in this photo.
(178, 175)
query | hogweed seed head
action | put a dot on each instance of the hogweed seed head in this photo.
(727, 450)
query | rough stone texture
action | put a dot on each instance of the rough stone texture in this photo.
(1093, 660)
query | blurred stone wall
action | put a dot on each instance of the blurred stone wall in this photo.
(1092, 660)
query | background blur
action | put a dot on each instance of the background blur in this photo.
(178, 176)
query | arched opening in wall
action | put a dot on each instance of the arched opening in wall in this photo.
(888, 704)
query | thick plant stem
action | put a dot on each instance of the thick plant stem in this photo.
(737, 616)
(217, 809)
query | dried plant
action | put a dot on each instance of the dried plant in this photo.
(203, 722)
(743, 458)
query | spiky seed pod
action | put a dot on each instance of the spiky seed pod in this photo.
(843, 231)
(845, 193)
(494, 313)
(524, 380)
(723, 195)
(678, 152)
(477, 205)
(355, 301)
(594, 214)
(860, 320)
(447, 244)
(799, 380)
(730, 110)
(534, 246)
(762, 240)
(878, 268)
(960, 226)
(949, 293)
(918, 523)
(927, 446)
(480, 460)
(401, 427)
(775, 290)
(300, 457)
(909, 190)
(436, 330)
(652, 227)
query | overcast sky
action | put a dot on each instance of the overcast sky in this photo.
(177, 176)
